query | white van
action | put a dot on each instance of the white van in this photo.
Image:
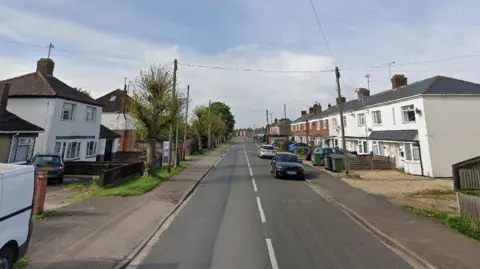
(17, 189)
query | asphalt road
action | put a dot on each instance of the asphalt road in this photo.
(240, 217)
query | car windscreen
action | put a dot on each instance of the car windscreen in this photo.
(327, 150)
(47, 160)
(268, 147)
(287, 158)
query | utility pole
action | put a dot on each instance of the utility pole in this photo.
(342, 124)
(176, 147)
(368, 80)
(209, 123)
(170, 133)
(285, 122)
(186, 124)
(266, 112)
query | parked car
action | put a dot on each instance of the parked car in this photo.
(276, 143)
(266, 151)
(17, 186)
(287, 165)
(294, 146)
(52, 164)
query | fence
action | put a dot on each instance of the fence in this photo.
(469, 206)
(369, 162)
(466, 174)
(89, 168)
(118, 173)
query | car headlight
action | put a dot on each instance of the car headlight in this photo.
(279, 167)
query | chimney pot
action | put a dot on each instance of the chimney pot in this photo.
(362, 92)
(329, 105)
(399, 80)
(304, 112)
(310, 110)
(46, 66)
(276, 120)
(4, 95)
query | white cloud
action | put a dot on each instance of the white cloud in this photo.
(88, 61)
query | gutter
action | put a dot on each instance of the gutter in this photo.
(421, 160)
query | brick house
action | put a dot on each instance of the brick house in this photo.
(279, 129)
(310, 128)
(115, 116)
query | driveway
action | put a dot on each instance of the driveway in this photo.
(58, 195)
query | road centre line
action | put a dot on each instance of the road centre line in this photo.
(260, 209)
(254, 185)
(271, 253)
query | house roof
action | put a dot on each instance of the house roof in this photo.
(107, 133)
(438, 85)
(10, 122)
(38, 84)
(113, 101)
(394, 135)
(280, 122)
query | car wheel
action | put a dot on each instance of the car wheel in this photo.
(6, 258)
(301, 177)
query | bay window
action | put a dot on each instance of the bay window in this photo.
(412, 152)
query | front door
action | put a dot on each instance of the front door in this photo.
(108, 150)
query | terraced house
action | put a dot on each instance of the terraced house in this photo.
(426, 126)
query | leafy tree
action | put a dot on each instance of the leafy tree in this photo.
(225, 113)
(84, 91)
(199, 124)
(153, 107)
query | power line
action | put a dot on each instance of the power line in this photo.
(321, 28)
(256, 70)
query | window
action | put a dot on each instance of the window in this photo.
(325, 124)
(68, 111)
(361, 119)
(362, 147)
(375, 148)
(345, 121)
(22, 149)
(408, 114)
(318, 123)
(377, 117)
(393, 115)
(91, 114)
(311, 125)
(91, 148)
(412, 152)
(321, 125)
(113, 98)
(68, 149)
(58, 146)
(334, 122)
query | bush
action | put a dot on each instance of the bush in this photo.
(284, 146)
(301, 151)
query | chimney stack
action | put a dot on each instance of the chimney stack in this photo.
(46, 66)
(304, 112)
(362, 92)
(276, 120)
(4, 95)
(329, 105)
(398, 81)
(310, 110)
(343, 100)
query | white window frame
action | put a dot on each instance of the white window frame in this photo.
(375, 148)
(71, 111)
(410, 148)
(91, 151)
(91, 114)
(361, 119)
(318, 125)
(363, 147)
(377, 120)
(407, 109)
(334, 122)
(17, 142)
(325, 124)
(393, 115)
(65, 149)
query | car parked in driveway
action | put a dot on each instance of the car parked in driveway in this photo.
(266, 151)
(51, 164)
(287, 165)
(294, 146)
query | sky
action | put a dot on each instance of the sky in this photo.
(100, 43)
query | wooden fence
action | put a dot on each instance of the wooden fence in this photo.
(466, 174)
(118, 173)
(469, 206)
(368, 162)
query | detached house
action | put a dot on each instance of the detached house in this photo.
(71, 119)
(280, 128)
(426, 126)
(115, 116)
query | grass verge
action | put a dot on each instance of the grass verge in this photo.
(22, 263)
(463, 225)
(130, 187)
(45, 214)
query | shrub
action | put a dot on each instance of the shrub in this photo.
(301, 151)
(285, 145)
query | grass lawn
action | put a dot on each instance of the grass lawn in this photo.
(454, 221)
(130, 187)
(22, 263)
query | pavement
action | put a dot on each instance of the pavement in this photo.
(240, 217)
(102, 232)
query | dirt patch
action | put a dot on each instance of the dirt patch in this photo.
(405, 189)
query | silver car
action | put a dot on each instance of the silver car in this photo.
(266, 151)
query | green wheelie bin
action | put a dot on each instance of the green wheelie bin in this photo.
(337, 162)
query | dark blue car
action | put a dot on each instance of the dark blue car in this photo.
(51, 164)
(294, 146)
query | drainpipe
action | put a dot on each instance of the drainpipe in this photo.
(420, 155)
